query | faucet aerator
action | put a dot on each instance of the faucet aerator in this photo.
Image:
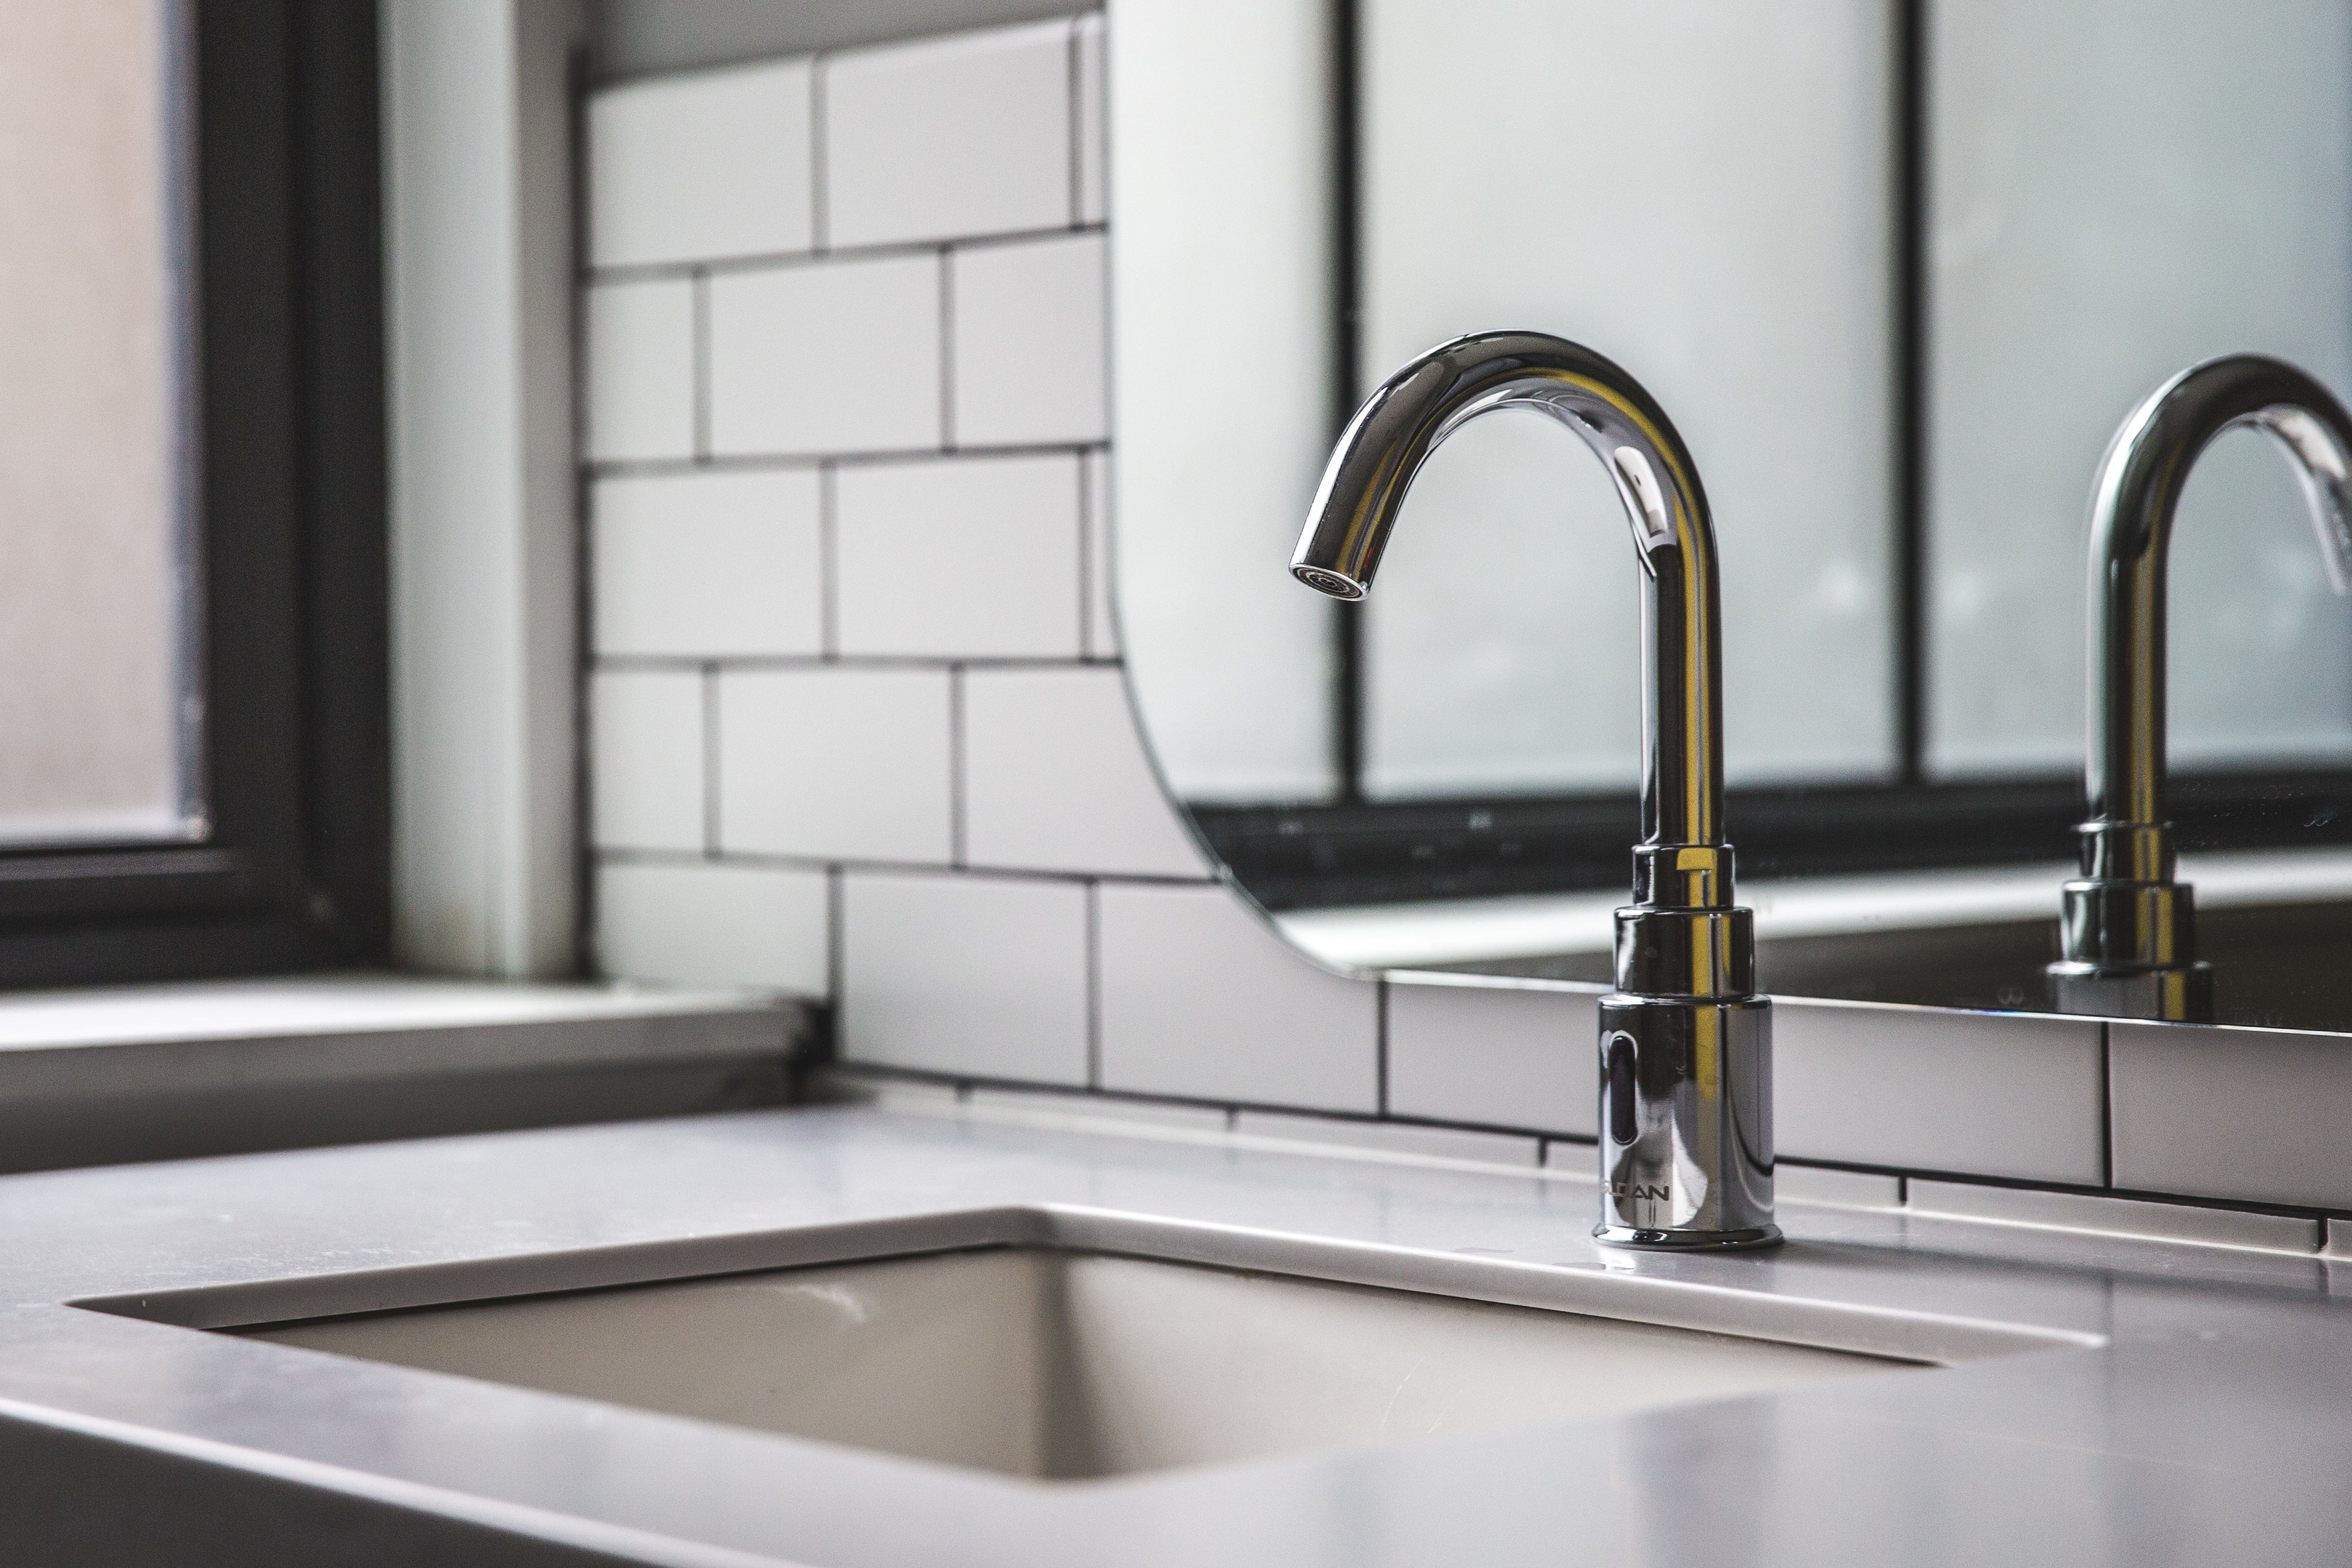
(1330, 583)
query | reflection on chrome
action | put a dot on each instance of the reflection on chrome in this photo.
(1685, 1043)
(2128, 928)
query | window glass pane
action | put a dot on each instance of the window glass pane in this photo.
(92, 717)
(1702, 193)
(2119, 188)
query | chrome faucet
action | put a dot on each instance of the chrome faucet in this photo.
(1685, 1044)
(2128, 928)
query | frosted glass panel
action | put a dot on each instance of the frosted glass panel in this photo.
(1504, 653)
(2119, 188)
(1702, 193)
(1221, 366)
(90, 717)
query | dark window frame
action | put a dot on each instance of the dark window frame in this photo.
(286, 370)
(1354, 849)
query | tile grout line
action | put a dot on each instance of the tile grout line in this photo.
(2085, 1191)
(638, 854)
(792, 462)
(587, 919)
(589, 853)
(623, 663)
(1052, 1092)
(2094, 1200)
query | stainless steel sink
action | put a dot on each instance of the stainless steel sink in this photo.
(1065, 1366)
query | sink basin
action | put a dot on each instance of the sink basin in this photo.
(1062, 1366)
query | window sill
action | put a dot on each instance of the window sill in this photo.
(166, 1072)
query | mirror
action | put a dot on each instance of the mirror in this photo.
(1897, 271)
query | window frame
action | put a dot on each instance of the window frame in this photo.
(1355, 850)
(284, 375)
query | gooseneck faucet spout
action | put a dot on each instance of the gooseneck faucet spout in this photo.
(1364, 487)
(1685, 1044)
(2128, 926)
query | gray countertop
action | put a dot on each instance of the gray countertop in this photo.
(2195, 1403)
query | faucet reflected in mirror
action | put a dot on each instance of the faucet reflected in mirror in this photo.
(2128, 925)
(1685, 1043)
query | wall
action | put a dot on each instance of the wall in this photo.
(859, 728)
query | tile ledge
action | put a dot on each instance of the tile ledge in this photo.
(153, 1041)
(192, 1070)
(2122, 1219)
(1265, 1130)
(336, 1004)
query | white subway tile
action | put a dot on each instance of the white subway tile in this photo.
(967, 556)
(836, 763)
(1102, 582)
(713, 924)
(641, 370)
(1055, 778)
(645, 732)
(968, 134)
(1112, 1113)
(837, 356)
(1201, 1000)
(1836, 1188)
(959, 974)
(1507, 1056)
(698, 166)
(1987, 1095)
(1390, 1140)
(1094, 162)
(709, 565)
(1565, 1161)
(1029, 361)
(2255, 1114)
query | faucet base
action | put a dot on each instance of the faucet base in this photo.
(1687, 1240)
(1686, 1147)
(2181, 994)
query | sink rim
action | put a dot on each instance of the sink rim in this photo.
(1096, 1373)
(1663, 1293)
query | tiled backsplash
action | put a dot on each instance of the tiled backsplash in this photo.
(859, 723)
